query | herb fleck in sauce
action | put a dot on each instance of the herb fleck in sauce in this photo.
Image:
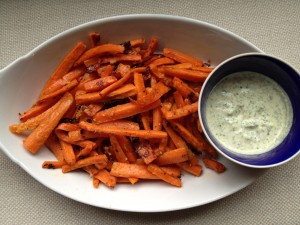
(248, 113)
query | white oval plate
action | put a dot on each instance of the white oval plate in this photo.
(21, 82)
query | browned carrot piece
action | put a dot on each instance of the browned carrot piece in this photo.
(60, 91)
(214, 165)
(185, 74)
(188, 136)
(94, 38)
(181, 57)
(92, 109)
(173, 171)
(98, 51)
(87, 147)
(99, 84)
(91, 160)
(127, 148)
(157, 119)
(196, 170)
(203, 69)
(172, 157)
(40, 134)
(72, 75)
(106, 178)
(106, 71)
(123, 111)
(53, 144)
(117, 150)
(178, 99)
(157, 171)
(162, 61)
(140, 86)
(68, 152)
(96, 182)
(181, 112)
(131, 170)
(181, 66)
(183, 88)
(121, 58)
(145, 117)
(37, 109)
(151, 47)
(53, 164)
(137, 42)
(91, 170)
(155, 94)
(145, 151)
(121, 124)
(146, 134)
(65, 65)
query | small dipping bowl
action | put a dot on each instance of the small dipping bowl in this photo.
(284, 75)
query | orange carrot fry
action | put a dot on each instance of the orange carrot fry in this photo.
(196, 170)
(157, 119)
(121, 58)
(151, 47)
(68, 152)
(183, 88)
(140, 86)
(98, 51)
(106, 71)
(214, 165)
(172, 157)
(188, 136)
(99, 84)
(91, 160)
(145, 117)
(53, 144)
(146, 134)
(122, 111)
(127, 148)
(96, 182)
(203, 69)
(181, 112)
(157, 171)
(156, 92)
(117, 150)
(162, 61)
(91, 170)
(92, 109)
(173, 171)
(181, 57)
(40, 134)
(185, 74)
(131, 170)
(137, 42)
(53, 164)
(94, 38)
(106, 178)
(65, 65)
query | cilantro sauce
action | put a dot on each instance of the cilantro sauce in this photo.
(248, 113)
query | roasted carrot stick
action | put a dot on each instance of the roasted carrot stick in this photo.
(172, 157)
(127, 148)
(162, 61)
(131, 170)
(40, 134)
(117, 150)
(196, 170)
(181, 57)
(214, 165)
(68, 152)
(53, 164)
(157, 171)
(99, 84)
(53, 144)
(156, 92)
(180, 112)
(99, 50)
(151, 47)
(185, 74)
(146, 134)
(106, 178)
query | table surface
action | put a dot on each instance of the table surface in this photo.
(273, 26)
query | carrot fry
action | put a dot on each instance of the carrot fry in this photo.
(196, 170)
(65, 65)
(68, 152)
(122, 111)
(131, 170)
(173, 171)
(145, 151)
(99, 84)
(92, 109)
(106, 178)
(94, 38)
(106, 71)
(140, 86)
(53, 144)
(181, 57)
(156, 92)
(91, 160)
(157, 171)
(40, 134)
(91, 170)
(172, 157)
(162, 61)
(185, 74)
(214, 165)
(96, 182)
(121, 58)
(157, 119)
(117, 150)
(181, 112)
(146, 134)
(53, 164)
(151, 47)
(203, 69)
(183, 88)
(127, 148)
(188, 136)
(98, 51)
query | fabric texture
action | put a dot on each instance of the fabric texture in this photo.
(273, 26)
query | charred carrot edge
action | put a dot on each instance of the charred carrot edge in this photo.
(94, 38)
(146, 152)
(53, 164)
(151, 47)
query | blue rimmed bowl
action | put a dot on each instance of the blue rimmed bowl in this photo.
(282, 73)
